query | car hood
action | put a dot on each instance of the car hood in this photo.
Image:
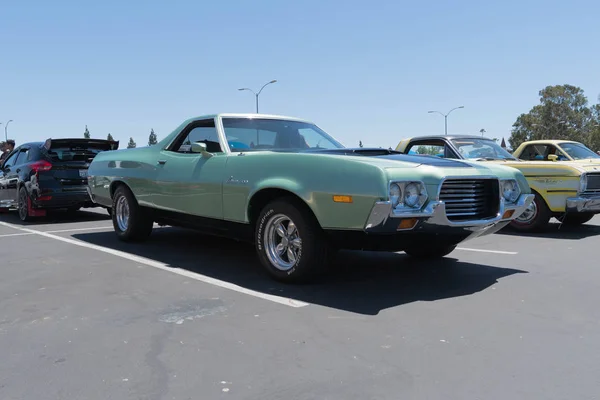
(391, 159)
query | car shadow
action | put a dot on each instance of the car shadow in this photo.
(360, 282)
(58, 217)
(557, 231)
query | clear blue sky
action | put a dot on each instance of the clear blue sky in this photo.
(363, 70)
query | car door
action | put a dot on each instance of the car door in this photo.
(191, 183)
(9, 179)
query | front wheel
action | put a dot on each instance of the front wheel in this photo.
(130, 221)
(289, 242)
(534, 218)
(430, 252)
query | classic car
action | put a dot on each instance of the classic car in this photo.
(41, 176)
(556, 150)
(299, 195)
(568, 191)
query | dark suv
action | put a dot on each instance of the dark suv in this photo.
(39, 176)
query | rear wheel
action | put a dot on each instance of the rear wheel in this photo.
(430, 252)
(130, 221)
(24, 205)
(576, 219)
(289, 242)
(534, 218)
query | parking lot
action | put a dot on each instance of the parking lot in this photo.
(186, 316)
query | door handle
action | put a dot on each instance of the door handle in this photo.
(162, 162)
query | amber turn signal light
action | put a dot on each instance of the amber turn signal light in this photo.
(338, 198)
(508, 214)
(407, 223)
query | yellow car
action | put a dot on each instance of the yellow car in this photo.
(556, 150)
(568, 190)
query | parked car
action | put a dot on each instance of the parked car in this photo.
(569, 191)
(299, 194)
(556, 150)
(40, 176)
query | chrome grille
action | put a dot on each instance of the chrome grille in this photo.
(593, 183)
(470, 199)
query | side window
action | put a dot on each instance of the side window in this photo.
(203, 132)
(22, 157)
(534, 152)
(427, 148)
(10, 161)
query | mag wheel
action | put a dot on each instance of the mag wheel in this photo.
(24, 205)
(290, 243)
(534, 218)
(130, 221)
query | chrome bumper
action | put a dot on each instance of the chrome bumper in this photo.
(385, 220)
(583, 203)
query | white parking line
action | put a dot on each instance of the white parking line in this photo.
(488, 251)
(80, 229)
(155, 264)
(15, 234)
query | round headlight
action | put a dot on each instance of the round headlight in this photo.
(395, 194)
(510, 190)
(411, 195)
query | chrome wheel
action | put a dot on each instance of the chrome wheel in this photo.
(282, 242)
(529, 214)
(122, 213)
(23, 205)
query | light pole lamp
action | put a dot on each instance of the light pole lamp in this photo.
(6, 129)
(257, 94)
(446, 117)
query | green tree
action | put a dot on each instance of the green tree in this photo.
(86, 133)
(563, 113)
(131, 143)
(152, 139)
(109, 137)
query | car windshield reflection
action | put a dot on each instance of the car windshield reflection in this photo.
(252, 134)
(481, 149)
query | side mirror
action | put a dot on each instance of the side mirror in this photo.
(552, 157)
(198, 147)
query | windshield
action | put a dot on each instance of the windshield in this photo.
(247, 134)
(578, 151)
(475, 149)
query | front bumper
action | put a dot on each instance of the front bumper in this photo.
(583, 204)
(433, 218)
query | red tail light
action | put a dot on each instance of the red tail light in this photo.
(41, 166)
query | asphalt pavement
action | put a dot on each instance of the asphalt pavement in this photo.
(185, 316)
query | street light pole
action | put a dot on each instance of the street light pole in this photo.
(6, 129)
(446, 117)
(257, 94)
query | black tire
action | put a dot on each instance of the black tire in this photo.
(23, 205)
(535, 218)
(313, 255)
(139, 222)
(576, 219)
(430, 252)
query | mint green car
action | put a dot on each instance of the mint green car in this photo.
(299, 195)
